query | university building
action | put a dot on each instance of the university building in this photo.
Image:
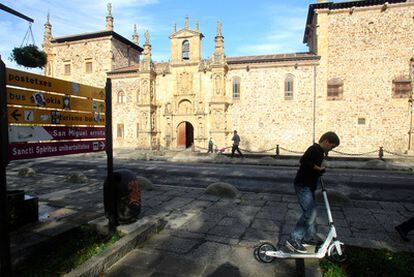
(356, 80)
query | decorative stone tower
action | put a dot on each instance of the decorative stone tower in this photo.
(148, 109)
(135, 37)
(186, 45)
(47, 38)
(219, 102)
(109, 19)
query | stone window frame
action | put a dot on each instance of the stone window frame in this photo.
(401, 87)
(289, 85)
(88, 69)
(362, 121)
(335, 89)
(120, 97)
(236, 84)
(67, 68)
(185, 50)
(120, 131)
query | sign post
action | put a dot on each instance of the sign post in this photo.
(5, 261)
(42, 116)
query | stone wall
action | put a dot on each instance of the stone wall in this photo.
(76, 54)
(262, 116)
(367, 49)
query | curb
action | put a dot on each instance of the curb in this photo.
(104, 260)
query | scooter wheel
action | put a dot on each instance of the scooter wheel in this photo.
(336, 257)
(262, 252)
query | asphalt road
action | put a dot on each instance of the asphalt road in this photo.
(356, 184)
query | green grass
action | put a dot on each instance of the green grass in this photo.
(364, 262)
(78, 246)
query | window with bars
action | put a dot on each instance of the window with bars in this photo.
(401, 87)
(120, 97)
(236, 88)
(335, 89)
(185, 50)
(289, 81)
(120, 131)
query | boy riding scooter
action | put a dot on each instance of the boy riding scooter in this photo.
(305, 184)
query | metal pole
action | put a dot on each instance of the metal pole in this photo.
(5, 260)
(110, 193)
(410, 101)
(314, 104)
(16, 13)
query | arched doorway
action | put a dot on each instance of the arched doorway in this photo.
(185, 134)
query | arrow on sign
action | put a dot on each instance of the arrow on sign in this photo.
(16, 115)
(102, 145)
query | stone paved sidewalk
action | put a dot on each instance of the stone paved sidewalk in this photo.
(213, 236)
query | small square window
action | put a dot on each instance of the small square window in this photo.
(401, 87)
(67, 69)
(88, 67)
(361, 120)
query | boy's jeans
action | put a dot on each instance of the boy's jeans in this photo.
(305, 228)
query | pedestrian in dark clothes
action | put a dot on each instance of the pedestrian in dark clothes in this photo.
(236, 142)
(305, 184)
(404, 228)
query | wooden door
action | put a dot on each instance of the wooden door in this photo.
(181, 136)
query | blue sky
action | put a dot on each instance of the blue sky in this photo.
(249, 27)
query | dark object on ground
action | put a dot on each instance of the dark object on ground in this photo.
(22, 209)
(29, 56)
(122, 198)
(404, 228)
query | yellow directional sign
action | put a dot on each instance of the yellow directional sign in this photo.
(35, 81)
(37, 116)
(48, 100)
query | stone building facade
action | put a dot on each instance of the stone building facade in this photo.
(356, 80)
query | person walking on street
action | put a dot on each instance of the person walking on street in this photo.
(404, 228)
(210, 146)
(305, 184)
(236, 142)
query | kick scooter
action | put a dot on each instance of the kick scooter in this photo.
(266, 252)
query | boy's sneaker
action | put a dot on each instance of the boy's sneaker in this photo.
(312, 242)
(296, 246)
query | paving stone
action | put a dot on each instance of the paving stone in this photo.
(145, 259)
(227, 231)
(266, 225)
(168, 243)
(197, 205)
(211, 252)
(221, 239)
(233, 221)
(261, 235)
(180, 266)
(272, 214)
(176, 219)
(367, 204)
(199, 226)
(127, 271)
(289, 198)
(208, 197)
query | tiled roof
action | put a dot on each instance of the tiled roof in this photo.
(341, 5)
(126, 69)
(97, 35)
(272, 58)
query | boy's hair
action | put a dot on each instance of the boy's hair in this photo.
(331, 137)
